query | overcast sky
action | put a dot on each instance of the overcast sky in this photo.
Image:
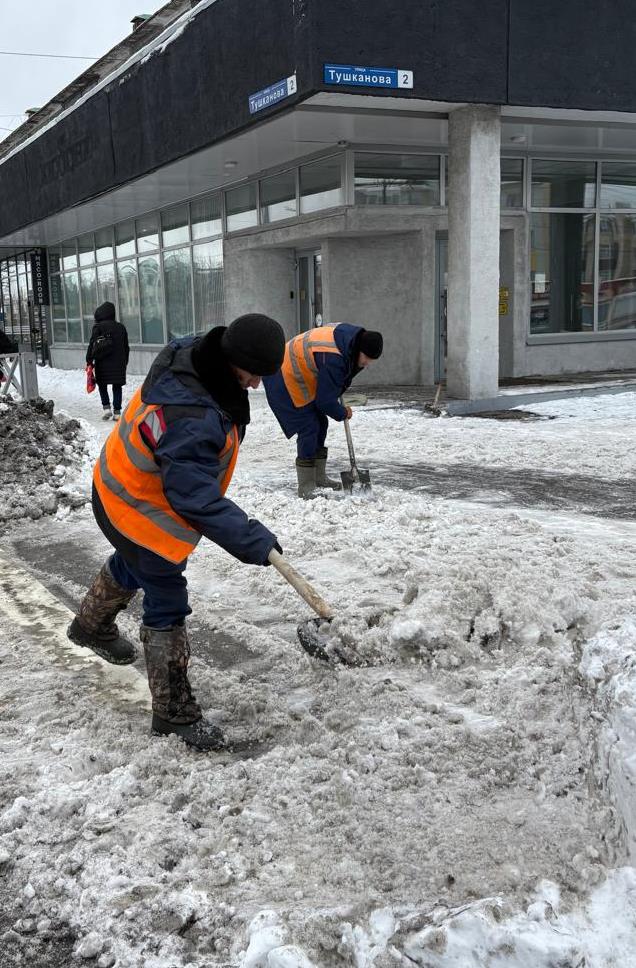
(84, 28)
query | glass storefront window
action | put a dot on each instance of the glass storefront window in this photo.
(206, 217)
(151, 299)
(104, 245)
(207, 262)
(563, 184)
(240, 207)
(106, 284)
(618, 184)
(73, 317)
(174, 226)
(562, 272)
(88, 287)
(178, 289)
(278, 197)
(55, 259)
(129, 298)
(125, 239)
(68, 252)
(617, 273)
(512, 183)
(58, 310)
(86, 250)
(321, 185)
(387, 179)
(147, 233)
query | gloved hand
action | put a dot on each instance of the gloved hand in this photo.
(277, 548)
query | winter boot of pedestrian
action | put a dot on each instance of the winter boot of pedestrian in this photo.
(321, 471)
(107, 414)
(306, 472)
(116, 415)
(94, 626)
(175, 710)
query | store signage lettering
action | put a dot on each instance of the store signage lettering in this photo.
(39, 278)
(272, 94)
(67, 160)
(349, 74)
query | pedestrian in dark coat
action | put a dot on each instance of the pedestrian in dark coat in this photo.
(108, 351)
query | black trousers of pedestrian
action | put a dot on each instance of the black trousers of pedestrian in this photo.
(103, 393)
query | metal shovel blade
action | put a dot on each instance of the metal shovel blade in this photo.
(309, 636)
(355, 476)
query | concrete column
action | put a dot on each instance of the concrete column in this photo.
(473, 251)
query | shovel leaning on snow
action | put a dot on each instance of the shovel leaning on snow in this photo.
(309, 631)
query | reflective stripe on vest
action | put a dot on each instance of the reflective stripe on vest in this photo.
(128, 481)
(299, 369)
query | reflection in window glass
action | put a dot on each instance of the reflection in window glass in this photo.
(178, 285)
(321, 185)
(86, 252)
(23, 295)
(240, 207)
(57, 306)
(147, 233)
(150, 298)
(278, 197)
(129, 298)
(562, 273)
(208, 285)
(618, 184)
(563, 184)
(385, 179)
(88, 285)
(174, 226)
(106, 284)
(73, 319)
(205, 214)
(512, 183)
(125, 239)
(617, 272)
(104, 245)
(55, 259)
(69, 255)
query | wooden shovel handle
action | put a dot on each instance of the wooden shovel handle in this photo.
(301, 585)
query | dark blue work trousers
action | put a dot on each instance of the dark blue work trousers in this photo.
(164, 586)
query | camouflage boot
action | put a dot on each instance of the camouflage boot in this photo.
(321, 471)
(306, 473)
(94, 626)
(174, 708)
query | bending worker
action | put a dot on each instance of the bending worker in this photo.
(319, 366)
(158, 486)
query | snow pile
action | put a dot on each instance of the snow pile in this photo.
(39, 455)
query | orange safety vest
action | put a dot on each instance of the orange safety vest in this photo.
(128, 481)
(299, 369)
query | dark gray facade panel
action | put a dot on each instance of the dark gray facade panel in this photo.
(15, 198)
(457, 49)
(73, 160)
(573, 54)
(196, 91)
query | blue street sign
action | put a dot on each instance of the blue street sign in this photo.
(352, 75)
(272, 94)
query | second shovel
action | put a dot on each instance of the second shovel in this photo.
(355, 475)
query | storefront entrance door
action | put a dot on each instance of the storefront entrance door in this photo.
(309, 290)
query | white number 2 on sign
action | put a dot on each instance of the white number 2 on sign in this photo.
(405, 78)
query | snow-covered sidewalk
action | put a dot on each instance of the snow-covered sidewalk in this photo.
(466, 801)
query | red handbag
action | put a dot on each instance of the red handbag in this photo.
(90, 378)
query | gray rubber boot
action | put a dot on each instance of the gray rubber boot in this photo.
(321, 471)
(306, 472)
(174, 707)
(94, 626)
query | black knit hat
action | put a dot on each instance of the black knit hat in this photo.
(254, 343)
(104, 312)
(371, 344)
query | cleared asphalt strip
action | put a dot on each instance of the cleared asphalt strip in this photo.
(31, 607)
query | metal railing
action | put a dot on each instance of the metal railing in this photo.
(18, 374)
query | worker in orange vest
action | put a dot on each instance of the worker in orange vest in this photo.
(159, 486)
(319, 366)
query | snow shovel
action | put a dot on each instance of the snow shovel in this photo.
(309, 631)
(355, 475)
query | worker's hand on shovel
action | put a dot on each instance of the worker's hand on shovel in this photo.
(349, 413)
